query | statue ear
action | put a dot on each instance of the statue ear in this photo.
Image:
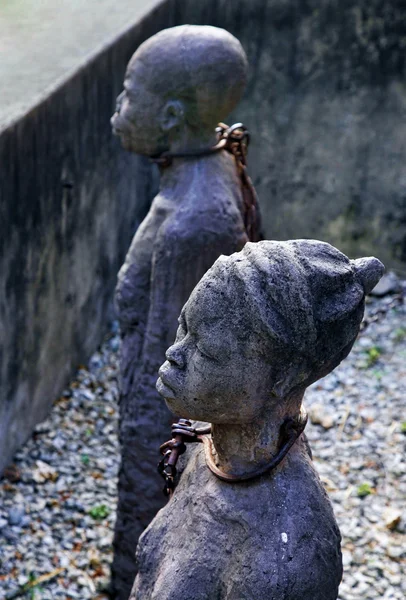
(368, 271)
(172, 115)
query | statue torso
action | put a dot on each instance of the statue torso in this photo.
(203, 209)
(274, 538)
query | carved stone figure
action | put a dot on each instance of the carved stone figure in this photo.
(179, 84)
(260, 326)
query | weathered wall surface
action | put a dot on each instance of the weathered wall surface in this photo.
(70, 201)
(326, 104)
(331, 151)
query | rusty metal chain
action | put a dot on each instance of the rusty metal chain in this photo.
(235, 140)
(183, 433)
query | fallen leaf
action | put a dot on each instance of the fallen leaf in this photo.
(12, 473)
(44, 472)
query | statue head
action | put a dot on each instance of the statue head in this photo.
(179, 84)
(261, 326)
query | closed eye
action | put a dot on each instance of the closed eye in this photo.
(182, 329)
(182, 323)
(206, 354)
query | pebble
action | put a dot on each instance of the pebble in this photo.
(71, 464)
(395, 551)
(15, 515)
(319, 416)
(392, 518)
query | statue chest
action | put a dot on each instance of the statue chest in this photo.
(218, 541)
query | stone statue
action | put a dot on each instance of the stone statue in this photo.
(261, 326)
(179, 84)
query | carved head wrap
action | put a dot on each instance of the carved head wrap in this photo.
(303, 299)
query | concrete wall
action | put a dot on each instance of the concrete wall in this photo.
(70, 201)
(326, 104)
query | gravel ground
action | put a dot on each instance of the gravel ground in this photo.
(59, 517)
(57, 505)
(358, 433)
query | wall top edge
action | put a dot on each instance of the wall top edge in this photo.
(42, 46)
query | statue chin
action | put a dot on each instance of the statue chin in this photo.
(166, 392)
(126, 143)
(125, 138)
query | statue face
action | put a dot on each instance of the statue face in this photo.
(136, 119)
(210, 375)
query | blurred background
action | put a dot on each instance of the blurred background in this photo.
(326, 108)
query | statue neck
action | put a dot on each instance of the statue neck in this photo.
(218, 169)
(244, 448)
(190, 141)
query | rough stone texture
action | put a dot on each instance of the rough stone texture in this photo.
(259, 327)
(266, 539)
(70, 201)
(330, 158)
(325, 103)
(178, 86)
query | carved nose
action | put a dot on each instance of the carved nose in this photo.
(175, 356)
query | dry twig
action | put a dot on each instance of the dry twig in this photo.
(31, 584)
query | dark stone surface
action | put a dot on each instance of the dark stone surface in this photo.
(196, 216)
(326, 106)
(278, 541)
(259, 327)
(187, 228)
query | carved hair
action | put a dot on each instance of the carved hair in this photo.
(303, 299)
(204, 66)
